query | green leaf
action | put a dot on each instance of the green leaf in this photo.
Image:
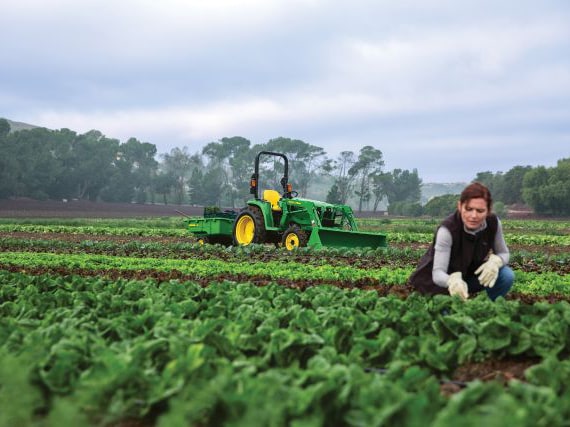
(467, 347)
(495, 334)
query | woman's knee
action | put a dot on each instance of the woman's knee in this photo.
(505, 280)
(507, 275)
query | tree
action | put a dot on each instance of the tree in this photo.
(62, 148)
(486, 178)
(334, 195)
(499, 208)
(213, 186)
(140, 157)
(402, 188)
(240, 160)
(305, 160)
(406, 186)
(405, 208)
(179, 163)
(196, 191)
(513, 185)
(163, 183)
(7, 162)
(441, 205)
(495, 183)
(533, 185)
(91, 163)
(233, 159)
(547, 190)
(369, 162)
(4, 128)
(342, 180)
(34, 163)
(382, 184)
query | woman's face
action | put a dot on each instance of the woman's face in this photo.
(473, 212)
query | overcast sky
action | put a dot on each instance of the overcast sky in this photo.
(450, 87)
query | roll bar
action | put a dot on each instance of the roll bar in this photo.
(254, 181)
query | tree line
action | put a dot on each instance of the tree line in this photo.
(545, 190)
(60, 164)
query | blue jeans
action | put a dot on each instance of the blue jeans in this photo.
(502, 285)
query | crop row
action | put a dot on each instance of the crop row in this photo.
(521, 239)
(395, 237)
(524, 260)
(415, 225)
(93, 351)
(526, 282)
(94, 230)
(510, 226)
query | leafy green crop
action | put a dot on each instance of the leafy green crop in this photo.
(525, 282)
(94, 230)
(100, 351)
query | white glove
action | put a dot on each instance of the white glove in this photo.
(489, 270)
(457, 286)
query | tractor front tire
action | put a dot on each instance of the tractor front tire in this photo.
(294, 238)
(249, 227)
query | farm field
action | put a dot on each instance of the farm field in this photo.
(129, 322)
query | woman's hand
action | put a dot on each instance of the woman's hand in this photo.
(489, 270)
(457, 286)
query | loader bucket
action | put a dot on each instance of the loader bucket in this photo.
(336, 238)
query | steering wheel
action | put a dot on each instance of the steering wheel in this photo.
(294, 193)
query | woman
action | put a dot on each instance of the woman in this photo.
(468, 253)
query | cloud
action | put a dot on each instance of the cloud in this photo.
(415, 77)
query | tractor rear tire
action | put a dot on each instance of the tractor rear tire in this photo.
(249, 227)
(294, 238)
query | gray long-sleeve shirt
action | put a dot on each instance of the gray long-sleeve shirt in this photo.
(443, 241)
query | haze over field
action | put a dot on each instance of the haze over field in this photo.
(450, 88)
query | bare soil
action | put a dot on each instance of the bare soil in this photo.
(25, 208)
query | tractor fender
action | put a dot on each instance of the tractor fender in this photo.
(265, 208)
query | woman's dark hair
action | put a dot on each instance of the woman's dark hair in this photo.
(476, 190)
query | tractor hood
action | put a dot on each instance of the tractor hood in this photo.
(318, 203)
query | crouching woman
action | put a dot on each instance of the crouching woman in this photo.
(468, 253)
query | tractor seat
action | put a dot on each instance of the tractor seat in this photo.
(272, 197)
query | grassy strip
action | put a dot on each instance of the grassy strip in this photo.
(533, 283)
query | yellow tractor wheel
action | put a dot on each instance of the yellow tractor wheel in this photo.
(245, 230)
(294, 238)
(249, 227)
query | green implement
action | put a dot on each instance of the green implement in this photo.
(214, 227)
(345, 239)
(286, 220)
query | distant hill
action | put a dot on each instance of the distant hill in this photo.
(434, 189)
(16, 126)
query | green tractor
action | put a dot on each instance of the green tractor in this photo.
(287, 220)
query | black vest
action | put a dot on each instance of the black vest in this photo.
(468, 252)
